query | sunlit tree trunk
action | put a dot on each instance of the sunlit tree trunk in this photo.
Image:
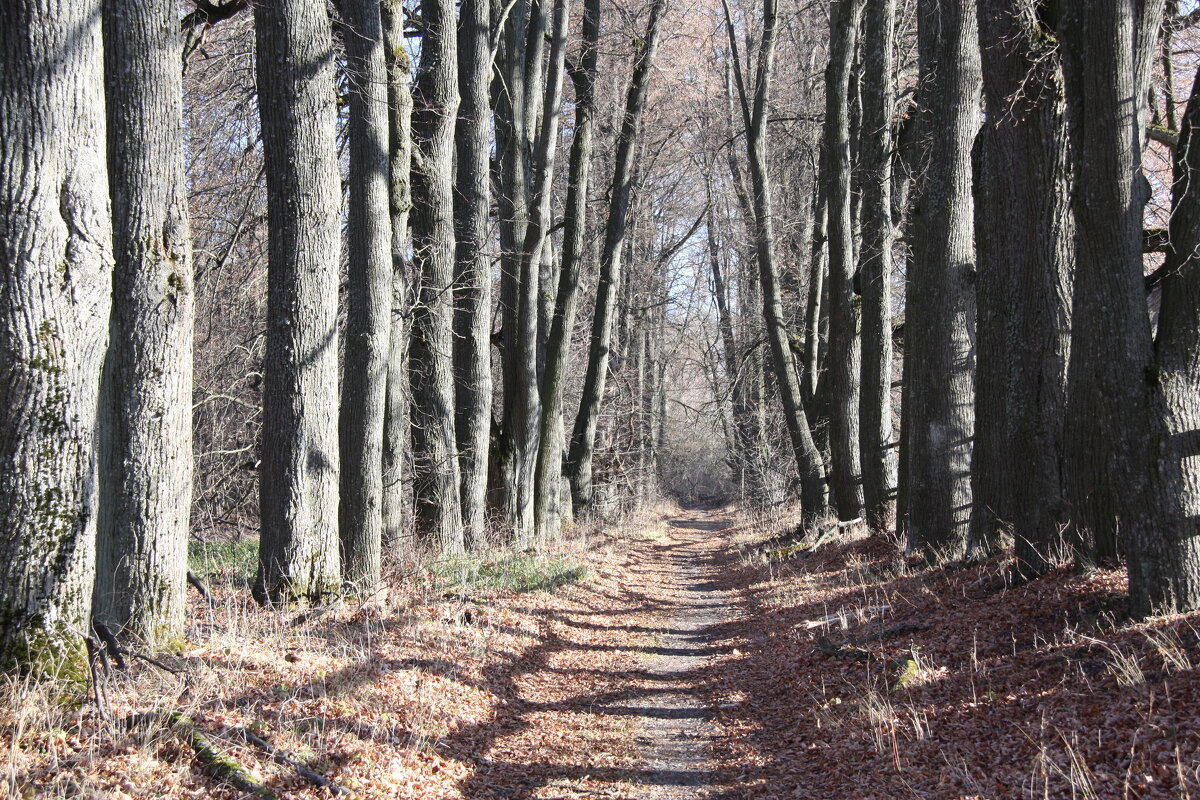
(813, 494)
(397, 436)
(146, 403)
(56, 253)
(473, 267)
(369, 298)
(553, 439)
(1178, 352)
(435, 454)
(298, 545)
(1109, 437)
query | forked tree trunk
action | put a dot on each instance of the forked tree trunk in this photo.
(369, 302)
(844, 314)
(1025, 254)
(146, 403)
(56, 257)
(875, 267)
(397, 437)
(940, 317)
(813, 495)
(527, 419)
(550, 451)
(473, 267)
(435, 455)
(583, 439)
(298, 541)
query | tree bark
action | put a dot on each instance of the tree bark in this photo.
(473, 267)
(1025, 257)
(56, 251)
(525, 422)
(1108, 455)
(1178, 360)
(397, 435)
(813, 494)
(146, 400)
(436, 99)
(548, 489)
(369, 300)
(940, 315)
(844, 313)
(878, 456)
(583, 438)
(298, 546)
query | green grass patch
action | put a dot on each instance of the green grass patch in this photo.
(234, 561)
(507, 573)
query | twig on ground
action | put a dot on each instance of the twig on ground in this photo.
(288, 760)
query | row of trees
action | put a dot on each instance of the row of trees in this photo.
(945, 196)
(386, 417)
(1039, 400)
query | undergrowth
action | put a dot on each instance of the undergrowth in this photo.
(513, 572)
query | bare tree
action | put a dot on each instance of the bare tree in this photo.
(583, 437)
(473, 267)
(369, 298)
(813, 493)
(844, 314)
(397, 435)
(436, 100)
(549, 479)
(878, 455)
(298, 547)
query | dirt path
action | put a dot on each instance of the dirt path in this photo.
(613, 707)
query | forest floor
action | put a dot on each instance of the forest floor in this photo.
(691, 655)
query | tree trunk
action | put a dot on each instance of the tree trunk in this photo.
(940, 315)
(397, 435)
(298, 546)
(550, 451)
(145, 433)
(369, 301)
(813, 495)
(1108, 454)
(875, 267)
(438, 514)
(583, 438)
(844, 313)
(527, 415)
(1025, 256)
(473, 268)
(1178, 353)
(513, 168)
(56, 251)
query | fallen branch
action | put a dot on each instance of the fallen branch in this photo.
(832, 618)
(223, 767)
(200, 587)
(288, 760)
